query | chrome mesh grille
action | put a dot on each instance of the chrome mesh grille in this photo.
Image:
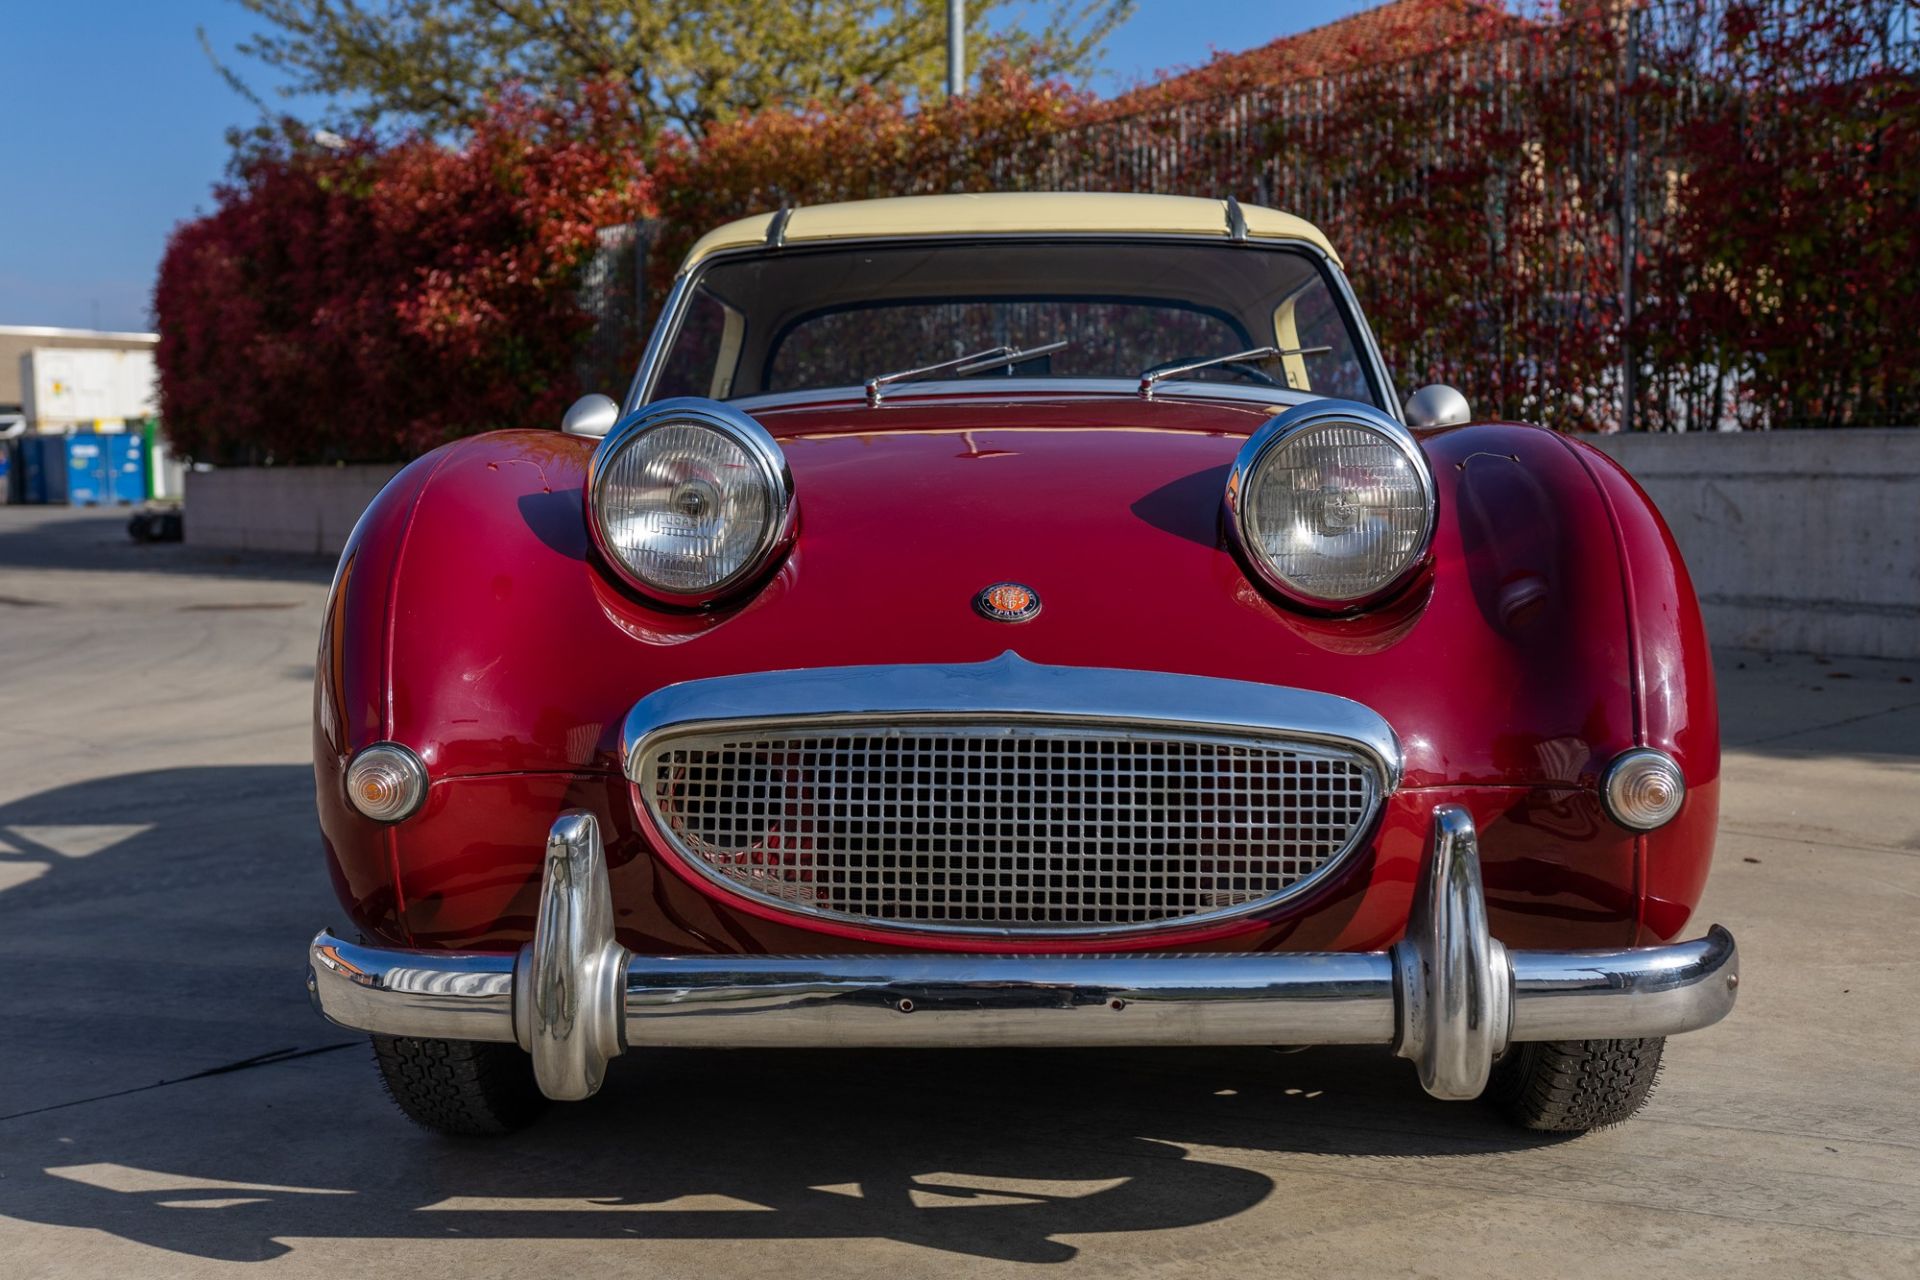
(1006, 826)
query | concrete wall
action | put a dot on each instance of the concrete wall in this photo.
(1798, 541)
(305, 509)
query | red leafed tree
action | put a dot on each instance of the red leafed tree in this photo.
(367, 302)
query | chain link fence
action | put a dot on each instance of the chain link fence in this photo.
(1682, 216)
(1685, 215)
(613, 292)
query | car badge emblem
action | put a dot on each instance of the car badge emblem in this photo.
(1008, 602)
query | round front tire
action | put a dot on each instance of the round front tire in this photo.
(460, 1087)
(1571, 1086)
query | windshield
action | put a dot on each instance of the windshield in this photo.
(803, 319)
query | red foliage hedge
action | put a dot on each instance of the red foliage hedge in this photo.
(1767, 153)
(1001, 137)
(371, 302)
(1393, 32)
(1784, 244)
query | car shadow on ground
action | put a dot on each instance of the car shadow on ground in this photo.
(166, 1082)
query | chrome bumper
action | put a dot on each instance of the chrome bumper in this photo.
(1448, 996)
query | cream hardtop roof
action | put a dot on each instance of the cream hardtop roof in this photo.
(1008, 213)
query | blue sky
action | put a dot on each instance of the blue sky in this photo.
(114, 131)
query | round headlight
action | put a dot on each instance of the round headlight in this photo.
(1332, 503)
(689, 497)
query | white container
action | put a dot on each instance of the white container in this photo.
(85, 387)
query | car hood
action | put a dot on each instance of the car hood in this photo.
(934, 500)
(1108, 507)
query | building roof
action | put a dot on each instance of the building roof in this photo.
(1390, 32)
(1009, 213)
(47, 335)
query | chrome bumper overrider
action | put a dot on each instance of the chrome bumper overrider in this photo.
(1448, 995)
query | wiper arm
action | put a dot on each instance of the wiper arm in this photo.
(1152, 376)
(972, 362)
(1007, 355)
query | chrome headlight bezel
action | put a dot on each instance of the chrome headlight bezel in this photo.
(753, 440)
(1285, 427)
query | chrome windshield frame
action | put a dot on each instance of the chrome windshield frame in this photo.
(673, 309)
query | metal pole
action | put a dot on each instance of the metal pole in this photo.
(956, 47)
(1629, 215)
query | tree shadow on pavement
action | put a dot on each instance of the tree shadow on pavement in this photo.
(95, 540)
(1803, 706)
(164, 938)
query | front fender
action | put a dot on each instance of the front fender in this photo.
(1676, 706)
(472, 623)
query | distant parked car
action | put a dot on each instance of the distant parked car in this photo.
(1016, 620)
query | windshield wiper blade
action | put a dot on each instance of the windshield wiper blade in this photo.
(1152, 376)
(1006, 356)
(972, 362)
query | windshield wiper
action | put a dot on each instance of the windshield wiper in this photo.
(1152, 376)
(961, 366)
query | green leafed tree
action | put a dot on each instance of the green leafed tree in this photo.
(687, 63)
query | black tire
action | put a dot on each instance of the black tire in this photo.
(1571, 1086)
(459, 1087)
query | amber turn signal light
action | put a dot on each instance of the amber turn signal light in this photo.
(1644, 789)
(386, 782)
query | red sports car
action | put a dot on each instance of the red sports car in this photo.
(1017, 620)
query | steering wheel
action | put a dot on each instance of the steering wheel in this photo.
(1245, 368)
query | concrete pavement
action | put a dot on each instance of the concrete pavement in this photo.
(169, 1106)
